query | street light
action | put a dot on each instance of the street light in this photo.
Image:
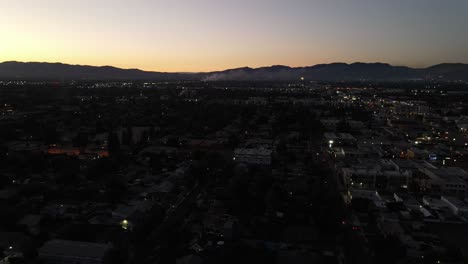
(125, 224)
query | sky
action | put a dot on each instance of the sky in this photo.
(207, 35)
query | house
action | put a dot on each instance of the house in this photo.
(15, 243)
(32, 223)
(339, 139)
(190, 259)
(458, 207)
(370, 195)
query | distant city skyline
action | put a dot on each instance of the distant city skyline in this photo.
(209, 35)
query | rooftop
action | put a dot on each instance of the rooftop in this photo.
(74, 248)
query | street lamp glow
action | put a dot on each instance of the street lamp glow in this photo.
(125, 224)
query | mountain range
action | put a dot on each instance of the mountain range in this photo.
(13, 70)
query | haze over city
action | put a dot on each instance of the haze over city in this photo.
(207, 35)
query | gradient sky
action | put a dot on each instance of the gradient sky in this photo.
(204, 35)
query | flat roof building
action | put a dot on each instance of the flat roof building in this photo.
(66, 251)
(253, 156)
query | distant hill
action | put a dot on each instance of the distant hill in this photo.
(326, 72)
(13, 70)
(346, 72)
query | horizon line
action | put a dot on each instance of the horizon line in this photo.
(227, 69)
